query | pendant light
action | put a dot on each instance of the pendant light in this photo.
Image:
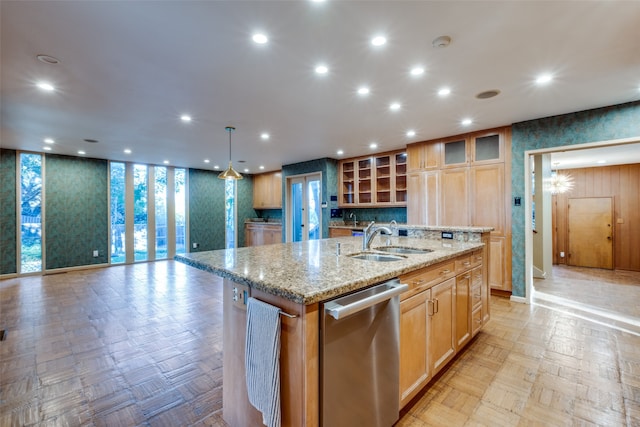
(230, 173)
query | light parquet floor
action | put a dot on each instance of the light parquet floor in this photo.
(142, 345)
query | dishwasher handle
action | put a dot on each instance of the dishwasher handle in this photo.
(338, 311)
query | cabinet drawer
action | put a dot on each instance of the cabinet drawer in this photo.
(476, 276)
(463, 263)
(476, 320)
(427, 277)
(476, 258)
(476, 296)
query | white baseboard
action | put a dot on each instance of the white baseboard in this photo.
(521, 300)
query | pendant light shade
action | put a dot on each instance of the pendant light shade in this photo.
(230, 173)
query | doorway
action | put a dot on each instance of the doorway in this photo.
(590, 232)
(304, 216)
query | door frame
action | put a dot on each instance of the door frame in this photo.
(288, 213)
(528, 226)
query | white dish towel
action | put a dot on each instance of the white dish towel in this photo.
(262, 360)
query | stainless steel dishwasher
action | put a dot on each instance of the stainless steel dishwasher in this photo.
(360, 340)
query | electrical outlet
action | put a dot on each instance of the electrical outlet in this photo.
(95, 254)
(561, 254)
(195, 246)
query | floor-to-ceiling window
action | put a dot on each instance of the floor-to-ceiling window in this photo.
(118, 230)
(140, 188)
(145, 201)
(30, 212)
(230, 213)
(180, 209)
(160, 178)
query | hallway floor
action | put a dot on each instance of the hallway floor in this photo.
(142, 345)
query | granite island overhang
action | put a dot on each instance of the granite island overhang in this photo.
(297, 277)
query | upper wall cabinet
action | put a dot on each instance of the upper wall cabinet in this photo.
(423, 156)
(267, 190)
(473, 149)
(379, 180)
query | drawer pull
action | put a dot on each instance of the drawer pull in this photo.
(476, 296)
(466, 263)
(445, 271)
(418, 282)
(467, 276)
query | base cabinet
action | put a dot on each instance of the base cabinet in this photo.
(258, 234)
(439, 314)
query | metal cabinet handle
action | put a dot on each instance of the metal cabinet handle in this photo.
(437, 305)
(338, 311)
(445, 271)
(430, 307)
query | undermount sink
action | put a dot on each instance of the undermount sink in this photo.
(367, 256)
(403, 250)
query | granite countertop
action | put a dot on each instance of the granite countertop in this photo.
(310, 272)
(363, 224)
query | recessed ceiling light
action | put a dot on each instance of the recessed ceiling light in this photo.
(544, 79)
(261, 167)
(417, 71)
(265, 136)
(466, 122)
(48, 59)
(373, 145)
(445, 91)
(216, 167)
(46, 86)
(207, 160)
(166, 162)
(411, 133)
(394, 106)
(363, 90)
(246, 170)
(322, 69)
(127, 151)
(49, 141)
(340, 152)
(379, 40)
(185, 118)
(46, 148)
(317, 1)
(601, 162)
(260, 38)
(81, 152)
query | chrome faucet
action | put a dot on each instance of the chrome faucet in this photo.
(393, 225)
(370, 232)
(353, 215)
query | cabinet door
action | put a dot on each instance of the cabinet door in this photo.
(347, 183)
(259, 189)
(454, 153)
(454, 197)
(275, 190)
(423, 198)
(364, 181)
(414, 357)
(487, 194)
(423, 156)
(497, 267)
(442, 308)
(383, 179)
(414, 157)
(487, 147)
(399, 184)
(463, 309)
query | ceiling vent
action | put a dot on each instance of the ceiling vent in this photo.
(92, 141)
(442, 41)
(488, 94)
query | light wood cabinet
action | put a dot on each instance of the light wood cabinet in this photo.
(415, 372)
(379, 180)
(437, 317)
(422, 206)
(473, 149)
(267, 190)
(262, 233)
(463, 309)
(423, 156)
(470, 187)
(339, 232)
(442, 318)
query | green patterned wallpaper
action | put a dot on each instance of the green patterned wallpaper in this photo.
(601, 124)
(8, 230)
(76, 211)
(206, 209)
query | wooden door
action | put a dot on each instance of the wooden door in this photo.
(487, 192)
(590, 232)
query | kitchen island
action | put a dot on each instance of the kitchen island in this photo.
(298, 277)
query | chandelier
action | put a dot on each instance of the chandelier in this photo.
(560, 182)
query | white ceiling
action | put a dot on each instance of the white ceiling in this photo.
(129, 69)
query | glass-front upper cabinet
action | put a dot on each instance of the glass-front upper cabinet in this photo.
(476, 148)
